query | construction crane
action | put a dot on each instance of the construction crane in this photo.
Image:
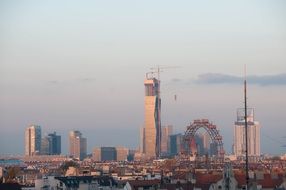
(160, 69)
(157, 70)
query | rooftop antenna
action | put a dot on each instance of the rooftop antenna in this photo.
(246, 135)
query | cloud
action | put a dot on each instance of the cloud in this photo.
(263, 80)
(279, 79)
(87, 79)
(53, 82)
(69, 82)
(176, 80)
(216, 78)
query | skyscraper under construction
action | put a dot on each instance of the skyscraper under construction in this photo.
(152, 126)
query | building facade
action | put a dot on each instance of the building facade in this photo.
(142, 140)
(96, 154)
(206, 142)
(55, 144)
(77, 145)
(152, 124)
(253, 130)
(166, 132)
(33, 140)
(176, 143)
(108, 154)
(45, 146)
(199, 145)
(51, 144)
(121, 153)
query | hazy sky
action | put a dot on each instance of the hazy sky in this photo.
(81, 65)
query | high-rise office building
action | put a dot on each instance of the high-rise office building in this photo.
(253, 130)
(77, 145)
(206, 141)
(166, 132)
(152, 125)
(199, 145)
(210, 147)
(45, 146)
(96, 154)
(142, 140)
(108, 154)
(55, 144)
(33, 140)
(121, 153)
(203, 144)
(51, 144)
(176, 143)
(213, 148)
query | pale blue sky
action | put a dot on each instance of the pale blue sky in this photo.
(81, 64)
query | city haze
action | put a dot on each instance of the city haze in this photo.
(81, 65)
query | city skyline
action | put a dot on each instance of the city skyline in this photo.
(80, 66)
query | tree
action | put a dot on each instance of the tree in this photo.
(65, 166)
(12, 173)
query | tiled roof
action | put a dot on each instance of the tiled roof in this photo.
(268, 180)
(135, 184)
(73, 181)
(204, 178)
(176, 186)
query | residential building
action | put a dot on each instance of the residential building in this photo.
(76, 183)
(142, 184)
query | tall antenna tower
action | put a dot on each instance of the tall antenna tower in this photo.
(246, 131)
